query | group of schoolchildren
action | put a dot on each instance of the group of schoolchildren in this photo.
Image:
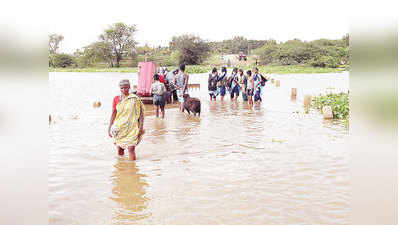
(249, 84)
(174, 84)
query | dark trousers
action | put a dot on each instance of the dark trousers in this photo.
(174, 94)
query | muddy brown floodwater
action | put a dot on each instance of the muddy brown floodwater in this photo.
(272, 164)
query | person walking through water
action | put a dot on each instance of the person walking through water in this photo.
(235, 88)
(250, 86)
(257, 85)
(181, 82)
(158, 90)
(170, 77)
(127, 120)
(221, 83)
(243, 84)
(212, 84)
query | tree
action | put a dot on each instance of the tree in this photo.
(268, 53)
(239, 44)
(94, 53)
(346, 39)
(101, 51)
(62, 60)
(142, 50)
(192, 49)
(53, 43)
(121, 39)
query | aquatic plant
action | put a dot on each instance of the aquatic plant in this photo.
(339, 103)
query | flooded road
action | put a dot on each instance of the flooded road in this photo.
(272, 164)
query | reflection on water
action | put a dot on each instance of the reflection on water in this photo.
(267, 164)
(128, 192)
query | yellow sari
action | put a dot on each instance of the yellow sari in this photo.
(129, 111)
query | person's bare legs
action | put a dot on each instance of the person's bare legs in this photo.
(120, 151)
(162, 108)
(132, 153)
(157, 111)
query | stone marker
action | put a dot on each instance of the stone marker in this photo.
(97, 104)
(293, 94)
(327, 112)
(272, 80)
(307, 103)
(278, 83)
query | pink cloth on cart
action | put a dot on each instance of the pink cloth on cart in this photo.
(146, 70)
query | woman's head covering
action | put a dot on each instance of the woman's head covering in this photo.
(124, 82)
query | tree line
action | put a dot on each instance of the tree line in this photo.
(317, 53)
(116, 46)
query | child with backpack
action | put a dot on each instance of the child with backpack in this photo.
(212, 84)
(234, 84)
(221, 83)
(243, 84)
(259, 82)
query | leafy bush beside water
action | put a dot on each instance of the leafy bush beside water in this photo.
(338, 102)
(317, 53)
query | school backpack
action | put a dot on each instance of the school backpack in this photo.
(263, 80)
(229, 81)
(257, 96)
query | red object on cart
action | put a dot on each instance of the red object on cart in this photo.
(161, 78)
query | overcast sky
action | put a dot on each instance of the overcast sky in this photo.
(81, 22)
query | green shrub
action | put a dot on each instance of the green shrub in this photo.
(338, 102)
(318, 53)
(325, 61)
(197, 69)
(172, 59)
(62, 60)
(192, 69)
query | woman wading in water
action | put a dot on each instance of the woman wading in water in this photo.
(127, 120)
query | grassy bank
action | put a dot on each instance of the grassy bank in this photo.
(338, 102)
(294, 69)
(298, 69)
(96, 69)
(205, 69)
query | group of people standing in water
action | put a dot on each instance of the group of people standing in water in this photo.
(175, 86)
(126, 125)
(249, 84)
